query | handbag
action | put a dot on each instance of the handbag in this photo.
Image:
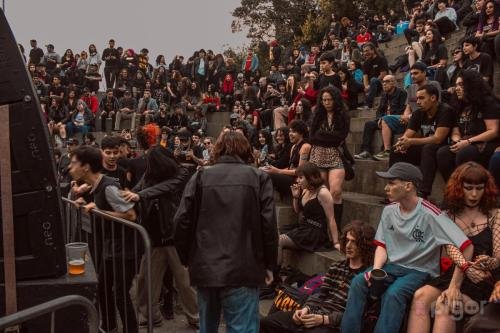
(347, 161)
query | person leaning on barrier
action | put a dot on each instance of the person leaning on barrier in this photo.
(85, 166)
(158, 193)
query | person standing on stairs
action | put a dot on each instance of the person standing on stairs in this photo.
(392, 103)
(329, 129)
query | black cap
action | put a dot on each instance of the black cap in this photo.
(403, 171)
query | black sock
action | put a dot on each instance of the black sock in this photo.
(337, 212)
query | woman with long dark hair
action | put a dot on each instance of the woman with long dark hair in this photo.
(280, 156)
(470, 196)
(488, 29)
(350, 88)
(329, 129)
(475, 135)
(94, 57)
(158, 192)
(434, 55)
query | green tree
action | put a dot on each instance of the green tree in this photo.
(266, 19)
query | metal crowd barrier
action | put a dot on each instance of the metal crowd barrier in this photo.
(116, 246)
(51, 307)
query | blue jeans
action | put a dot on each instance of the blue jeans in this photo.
(393, 302)
(375, 89)
(240, 307)
(495, 167)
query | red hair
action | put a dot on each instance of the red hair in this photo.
(472, 173)
(152, 132)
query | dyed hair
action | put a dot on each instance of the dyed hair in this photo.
(472, 173)
(364, 234)
(233, 144)
(311, 173)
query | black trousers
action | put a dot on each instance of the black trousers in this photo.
(486, 322)
(110, 76)
(282, 184)
(371, 127)
(447, 161)
(117, 279)
(423, 157)
(281, 322)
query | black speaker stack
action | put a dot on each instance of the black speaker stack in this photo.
(37, 207)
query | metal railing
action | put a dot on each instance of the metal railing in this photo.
(51, 307)
(115, 248)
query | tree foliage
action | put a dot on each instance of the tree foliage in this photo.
(265, 19)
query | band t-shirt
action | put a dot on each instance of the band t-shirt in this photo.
(414, 240)
(373, 67)
(420, 123)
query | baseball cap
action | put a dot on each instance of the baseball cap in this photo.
(404, 171)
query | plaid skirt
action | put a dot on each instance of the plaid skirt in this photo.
(326, 157)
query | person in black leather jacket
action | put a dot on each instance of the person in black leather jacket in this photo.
(226, 234)
(158, 193)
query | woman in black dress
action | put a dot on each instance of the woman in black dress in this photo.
(314, 202)
(470, 197)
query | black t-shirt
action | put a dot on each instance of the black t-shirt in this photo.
(53, 90)
(419, 122)
(432, 56)
(373, 67)
(136, 167)
(471, 123)
(118, 174)
(329, 80)
(482, 64)
(111, 63)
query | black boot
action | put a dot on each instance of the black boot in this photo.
(337, 213)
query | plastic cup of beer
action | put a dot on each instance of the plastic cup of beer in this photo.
(76, 253)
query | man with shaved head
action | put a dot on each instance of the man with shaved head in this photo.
(392, 102)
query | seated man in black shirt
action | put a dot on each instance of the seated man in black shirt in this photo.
(322, 312)
(328, 77)
(427, 131)
(393, 102)
(374, 69)
(478, 61)
(92, 78)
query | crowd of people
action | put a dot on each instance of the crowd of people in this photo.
(286, 132)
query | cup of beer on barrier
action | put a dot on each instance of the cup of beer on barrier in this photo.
(377, 279)
(76, 255)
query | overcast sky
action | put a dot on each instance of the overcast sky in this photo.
(166, 27)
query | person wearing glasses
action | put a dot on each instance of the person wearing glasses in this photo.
(392, 102)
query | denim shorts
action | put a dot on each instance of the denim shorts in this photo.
(394, 123)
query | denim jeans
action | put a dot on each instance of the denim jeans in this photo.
(375, 89)
(240, 307)
(393, 302)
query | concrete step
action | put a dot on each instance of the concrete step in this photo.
(360, 206)
(363, 113)
(358, 123)
(357, 139)
(366, 181)
(216, 122)
(285, 214)
(316, 262)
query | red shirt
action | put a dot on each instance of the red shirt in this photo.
(248, 63)
(362, 39)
